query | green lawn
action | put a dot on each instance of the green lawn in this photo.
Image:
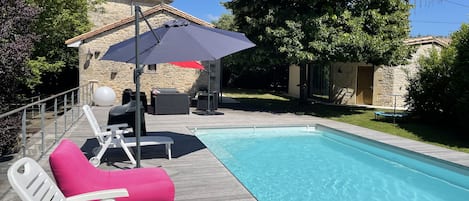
(441, 135)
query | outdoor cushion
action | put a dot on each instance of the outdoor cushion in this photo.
(156, 91)
(75, 175)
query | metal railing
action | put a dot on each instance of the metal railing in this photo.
(44, 122)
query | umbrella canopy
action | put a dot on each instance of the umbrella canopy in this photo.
(179, 40)
(176, 41)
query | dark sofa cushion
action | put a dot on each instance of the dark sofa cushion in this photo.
(170, 103)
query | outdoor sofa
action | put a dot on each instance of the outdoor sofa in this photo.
(169, 101)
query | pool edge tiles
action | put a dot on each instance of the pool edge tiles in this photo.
(309, 127)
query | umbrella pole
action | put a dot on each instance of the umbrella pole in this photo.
(208, 89)
(137, 73)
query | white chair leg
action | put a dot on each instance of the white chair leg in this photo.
(95, 161)
(127, 151)
(168, 150)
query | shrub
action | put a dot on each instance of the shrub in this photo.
(439, 91)
(429, 92)
(9, 134)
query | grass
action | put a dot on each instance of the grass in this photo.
(440, 135)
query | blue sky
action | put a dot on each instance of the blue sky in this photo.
(429, 17)
(438, 17)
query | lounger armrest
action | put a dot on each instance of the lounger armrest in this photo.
(115, 127)
(101, 195)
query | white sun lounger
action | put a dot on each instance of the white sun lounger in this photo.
(114, 138)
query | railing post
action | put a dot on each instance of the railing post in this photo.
(55, 119)
(88, 92)
(23, 131)
(65, 113)
(85, 93)
(41, 106)
(73, 104)
(87, 88)
(79, 96)
(32, 109)
(43, 113)
(93, 82)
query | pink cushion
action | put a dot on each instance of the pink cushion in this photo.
(75, 175)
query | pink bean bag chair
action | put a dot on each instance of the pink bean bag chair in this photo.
(75, 175)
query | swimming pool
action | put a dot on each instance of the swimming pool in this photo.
(318, 163)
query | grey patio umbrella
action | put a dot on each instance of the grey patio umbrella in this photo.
(176, 40)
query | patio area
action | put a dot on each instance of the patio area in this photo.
(196, 173)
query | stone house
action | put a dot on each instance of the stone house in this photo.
(115, 23)
(362, 83)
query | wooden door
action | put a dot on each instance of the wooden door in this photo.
(365, 85)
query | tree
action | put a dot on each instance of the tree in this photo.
(297, 31)
(16, 44)
(460, 76)
(322, 31)
(17, 40)
(429, 92)
(239, 70)
(439, 91)
(58, 21)
(226, 22)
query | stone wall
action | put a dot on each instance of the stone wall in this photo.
(383, 83)
(391, 82)
(119, 76)
(113, 10)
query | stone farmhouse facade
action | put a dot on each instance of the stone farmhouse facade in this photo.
(362, 83)
(115, 23)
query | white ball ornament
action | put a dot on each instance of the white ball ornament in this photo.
(104, 96)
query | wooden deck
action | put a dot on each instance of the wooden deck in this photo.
(197, 174)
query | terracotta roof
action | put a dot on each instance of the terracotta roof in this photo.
(444, 42)
(155, 9)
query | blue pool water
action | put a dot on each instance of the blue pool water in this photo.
(304, 163)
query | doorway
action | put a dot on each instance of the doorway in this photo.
(365, 85)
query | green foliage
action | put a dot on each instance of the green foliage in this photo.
(226, 22)
(9, 134)
(298, 32)
(38, 67)
(460, 78)
(287, 31)
(429, 93)
(16, 43)
(439, 91)
(58, 21)
(238, 69)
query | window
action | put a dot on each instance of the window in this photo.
(151, 68)
(319, 81)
